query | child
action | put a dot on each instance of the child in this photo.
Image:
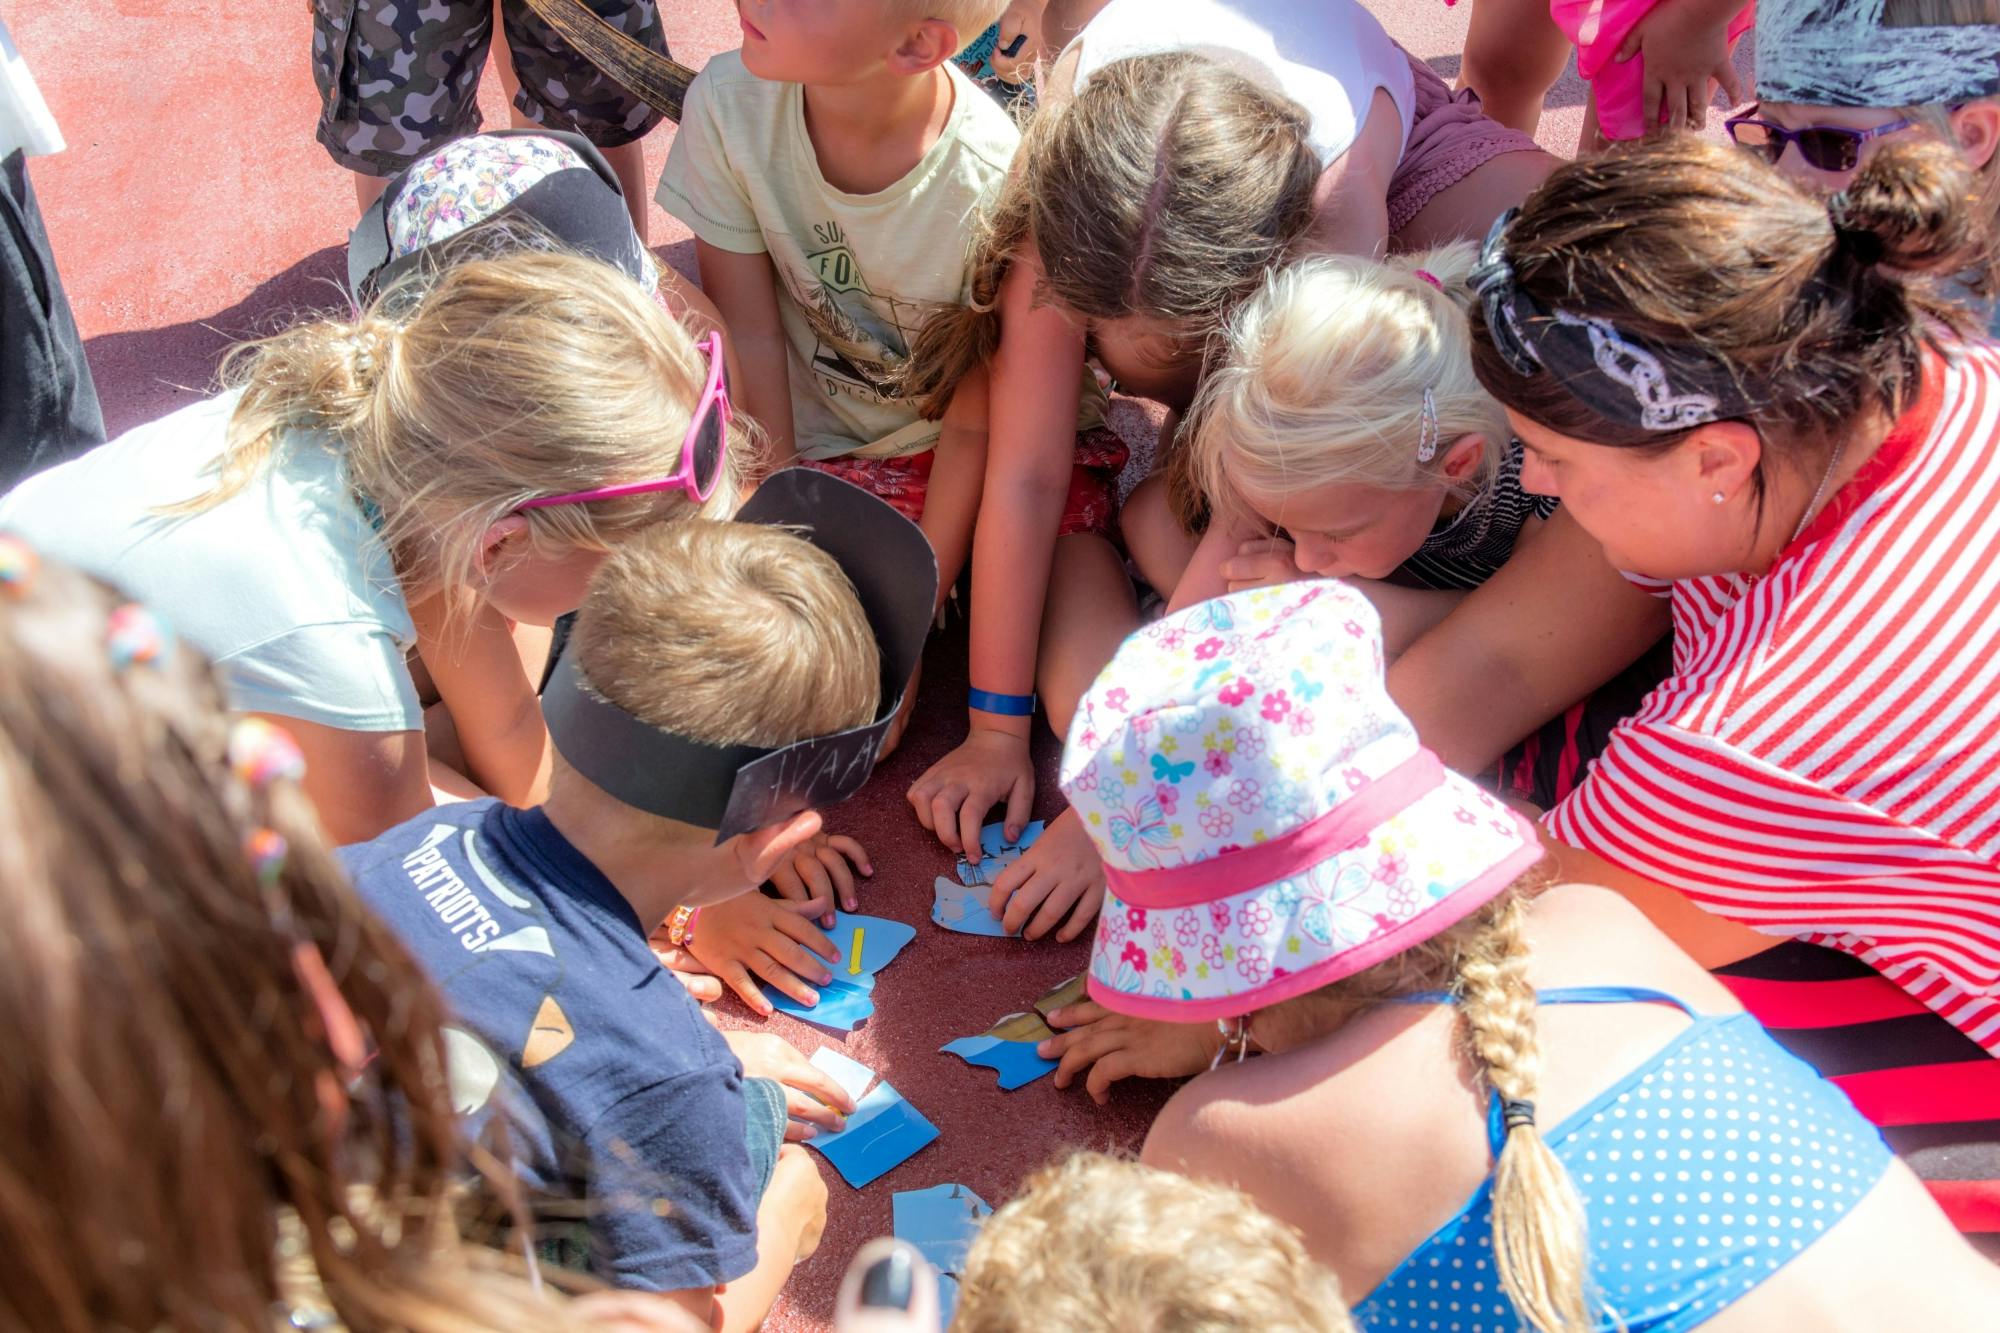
(224, 1103)
(1472, 1075)
(716, 636)
(1094, 1244)
(830, 171)
(1201, 144)
(396, 80)
(1343, 435)
(457, 457)
(1836, 83)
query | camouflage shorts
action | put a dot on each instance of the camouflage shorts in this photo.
(397, 77)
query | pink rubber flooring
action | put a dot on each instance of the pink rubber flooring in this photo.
(194, 208)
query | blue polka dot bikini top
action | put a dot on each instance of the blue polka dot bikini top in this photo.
(1702, 1172)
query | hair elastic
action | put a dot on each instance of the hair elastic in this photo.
(1003, 705)
(1428, 276)
(135, 636)
(1516, 1113)
(267, 849)
(18, 563)
(261, 752)
(1427, 430)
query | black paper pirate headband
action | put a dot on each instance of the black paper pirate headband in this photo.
(735, 789)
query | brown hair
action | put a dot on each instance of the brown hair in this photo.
(1538, 1220)
(730, 634)
(173, 1117)
(1097, 1244)
(1821, 310)
(457, 396)
(1165, 186)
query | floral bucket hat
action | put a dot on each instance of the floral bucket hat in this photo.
(1268, 821)
(553, 182)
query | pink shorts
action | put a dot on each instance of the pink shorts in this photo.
(1091, 506)
(1449, 137)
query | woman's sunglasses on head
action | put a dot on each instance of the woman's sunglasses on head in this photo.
(702, 449)
(1827, 147)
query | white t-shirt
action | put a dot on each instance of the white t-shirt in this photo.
(25, 121)
(1329, 56)
(284, 585)
(857, 273)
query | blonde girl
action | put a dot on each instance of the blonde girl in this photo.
(457, 457)
(1486, 1099)
(1187, 148)
(223, 1099)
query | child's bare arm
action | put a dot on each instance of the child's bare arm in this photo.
(745, 291)
(1352, 197)
(363, 783)
(480, 678)
(789, 1223)
(1034, 382)
(958, 474)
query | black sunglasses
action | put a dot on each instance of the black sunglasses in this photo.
(1827, 147)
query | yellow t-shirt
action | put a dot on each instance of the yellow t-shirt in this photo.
(856, 273)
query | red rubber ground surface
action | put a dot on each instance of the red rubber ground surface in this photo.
(194, 207)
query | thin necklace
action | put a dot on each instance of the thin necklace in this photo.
(1818, 491)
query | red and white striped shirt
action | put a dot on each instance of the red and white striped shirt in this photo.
(1824, 762)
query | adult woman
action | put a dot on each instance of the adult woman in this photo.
(1199, 144)
(1768, 410)
(1435, 1013)
(225, 1100)
(454, 458)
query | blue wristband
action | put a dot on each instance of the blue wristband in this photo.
(1005, 705)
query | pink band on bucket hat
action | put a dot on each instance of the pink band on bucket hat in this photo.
(1340, 829)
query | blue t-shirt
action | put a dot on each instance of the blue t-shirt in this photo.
(616, 1091)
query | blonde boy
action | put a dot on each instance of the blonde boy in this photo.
(623, 1104)
(833, 171)
(1098, 1244)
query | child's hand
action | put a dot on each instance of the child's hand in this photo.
(1020, 40)
(952, 797)
(810, 1093)
(677, 960)
(818, 871)
(1686, 46)
(1114, 1046)
(1261, 562)
(1060, 872)
(752, 934)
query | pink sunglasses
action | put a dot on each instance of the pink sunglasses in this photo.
(701, 451)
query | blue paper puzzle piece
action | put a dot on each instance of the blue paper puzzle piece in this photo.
(884, 1132)
(997, 853)
(843, 1002)
(867, 944)
(1015, 1061)
(964, 910)
(941, 1222)
(993, 838)
(947, 1299)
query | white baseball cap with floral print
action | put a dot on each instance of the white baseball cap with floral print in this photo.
(1268, 821)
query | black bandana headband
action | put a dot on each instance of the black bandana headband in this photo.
(1615, 374)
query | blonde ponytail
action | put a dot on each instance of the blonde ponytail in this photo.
(1538, 1220)
(1325, 377)
(458, 396)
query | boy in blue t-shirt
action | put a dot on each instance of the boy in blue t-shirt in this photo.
(627, 1111)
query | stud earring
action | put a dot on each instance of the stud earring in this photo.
(1718, 497)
